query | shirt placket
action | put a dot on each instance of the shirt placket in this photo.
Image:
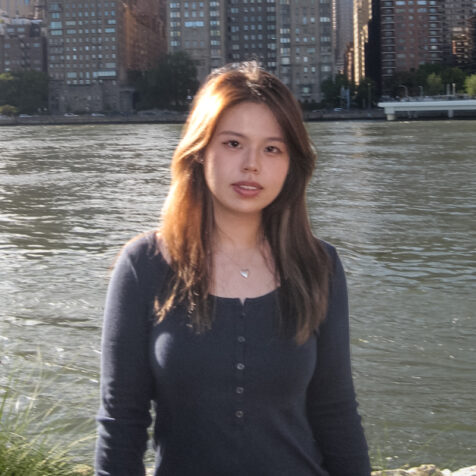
(240, 368)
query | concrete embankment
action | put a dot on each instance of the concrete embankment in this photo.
(172, 117)
(177, 117)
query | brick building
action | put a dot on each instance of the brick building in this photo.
(294, 40)
(458, 32)
(412, 34)
(91, 46)
(22, 45)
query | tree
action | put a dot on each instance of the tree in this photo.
(7, 88)
(422, 73)
(435, 84)
(26, 90)
(8, 110)
(454, 76)
(470, 85)
(170, 84)
(417, 82)
(365, 94)
(332, 90)
(399, 81)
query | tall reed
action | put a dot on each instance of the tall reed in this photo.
(27, 447)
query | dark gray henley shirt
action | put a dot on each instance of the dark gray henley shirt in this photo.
(237, 400)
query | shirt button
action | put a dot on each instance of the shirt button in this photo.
(240, 366)
(239, 414)
(239, 390)
(241, 339)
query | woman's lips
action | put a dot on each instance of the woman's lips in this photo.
(247, 189)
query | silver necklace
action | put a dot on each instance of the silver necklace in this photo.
(244, 272)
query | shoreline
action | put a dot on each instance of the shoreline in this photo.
(178, 117)
(171, 117)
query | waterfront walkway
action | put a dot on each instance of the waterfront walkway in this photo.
(413, 107)
(175, 117)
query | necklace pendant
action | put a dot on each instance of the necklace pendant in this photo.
(245, 273)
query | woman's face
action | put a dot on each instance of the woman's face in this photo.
(246, 161)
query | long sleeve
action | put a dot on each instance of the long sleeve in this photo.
(126, 379)
(332, 407)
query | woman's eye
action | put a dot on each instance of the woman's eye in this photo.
(232, 143)
(272, 149)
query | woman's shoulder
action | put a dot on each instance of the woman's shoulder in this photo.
(141, 258)
(143, 249)
(328, 248)
(141, 244)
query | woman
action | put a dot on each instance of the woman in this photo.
(232, 318)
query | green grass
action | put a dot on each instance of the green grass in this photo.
(26, 443)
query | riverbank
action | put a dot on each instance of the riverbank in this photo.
(177, 117)
(172, 117)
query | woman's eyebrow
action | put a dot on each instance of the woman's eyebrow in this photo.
(280, 139)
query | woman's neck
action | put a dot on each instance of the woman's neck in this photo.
(238, 232)
(242, 263)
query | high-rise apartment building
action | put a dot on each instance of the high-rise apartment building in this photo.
(458, 31)
(91, 46)
(200, 29)
(144, 33)
(306, 42)
(253, 33)
(22, 45)
(20, 8)
(472, 22)
(344, 32)
(411, 34)
(362, 16)
(293, 39)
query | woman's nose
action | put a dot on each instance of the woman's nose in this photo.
(251, 161)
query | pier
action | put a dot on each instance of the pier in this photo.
(413, 106)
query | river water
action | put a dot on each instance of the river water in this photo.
(397, 199)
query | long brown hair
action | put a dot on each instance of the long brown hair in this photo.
(302, 265)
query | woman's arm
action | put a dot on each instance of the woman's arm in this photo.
(332, 407)
(126, 380)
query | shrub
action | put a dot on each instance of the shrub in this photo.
(470, 85)
(8, 110)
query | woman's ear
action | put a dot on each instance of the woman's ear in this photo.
(200, 157)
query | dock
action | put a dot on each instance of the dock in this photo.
(412, 106)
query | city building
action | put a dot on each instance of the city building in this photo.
(306, 39)
(253, 33)
(200, 29)
(344, 32)
(91, 46)
(18, 8)
(472, 64)
(373, 49)
(293, 39)
(458, 30)
(412, 34)
(144, 34)
(362, 15)
(349, 63)
(22, 45)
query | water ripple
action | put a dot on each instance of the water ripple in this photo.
(397, 199)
